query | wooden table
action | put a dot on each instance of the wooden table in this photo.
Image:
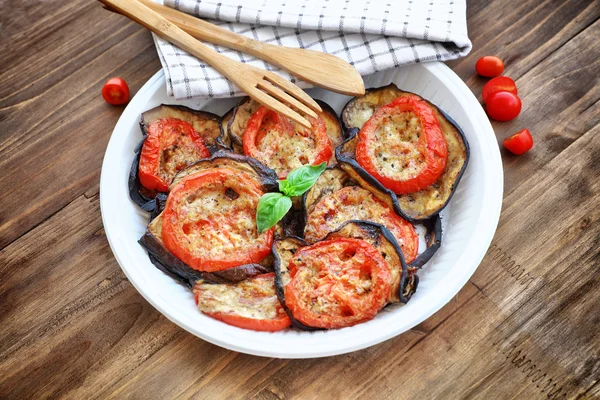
(525, 326)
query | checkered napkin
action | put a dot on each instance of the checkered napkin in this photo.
(372, 35)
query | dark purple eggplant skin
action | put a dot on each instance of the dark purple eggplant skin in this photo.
(171, 265)
(136, 190)
(433, 238)
(350, 161)
(279, 288)
(374, 230)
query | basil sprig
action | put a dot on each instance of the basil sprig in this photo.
(272, 207)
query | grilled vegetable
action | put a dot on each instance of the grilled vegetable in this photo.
(284, 145)
(402, 145)
(168, 263)
(336, 198)
(247, 107)
(416, 206)
(337, 283)
(204, 124)
(208, 220)
(249, 304)
(402, 286)
(171, 145)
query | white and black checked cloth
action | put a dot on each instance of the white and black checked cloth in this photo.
(372, 35)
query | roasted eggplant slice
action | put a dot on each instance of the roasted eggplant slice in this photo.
(382, 239)
(168, 263)
(336, 198)
(283, 251)
(433, 240)
(246, 107)
(249, 304)
(206, 124)
(226, 159)
(425, 203)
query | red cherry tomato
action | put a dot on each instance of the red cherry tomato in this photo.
(115, 91)
(498, 84)
(520, 142)
(503, 106)
(489, 66)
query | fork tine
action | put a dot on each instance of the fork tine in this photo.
(277, 106)
(284, 97)
(292, 90)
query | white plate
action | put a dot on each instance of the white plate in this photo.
(469, 222)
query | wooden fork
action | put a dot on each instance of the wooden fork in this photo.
(266, 87)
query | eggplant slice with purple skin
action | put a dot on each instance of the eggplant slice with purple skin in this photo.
(206, 124)
(168, 263)
(426, 203)
(246, 107)
(335, 178)
(404, 284)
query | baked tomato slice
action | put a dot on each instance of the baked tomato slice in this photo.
(209, 220)
(284, 145)
(402, 145)
(171, 145)
(249, 304)
(356, 203)
(337, 283)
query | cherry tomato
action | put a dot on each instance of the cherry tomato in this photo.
(503, 106)
(499, 84)
(520, 142)
(489, 66)
(115, 91)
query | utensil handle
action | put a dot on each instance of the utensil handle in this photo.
(151, 20)
(205, 30)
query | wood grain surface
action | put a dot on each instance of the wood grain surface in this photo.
(72, 326)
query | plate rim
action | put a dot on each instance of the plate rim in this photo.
(493, 209)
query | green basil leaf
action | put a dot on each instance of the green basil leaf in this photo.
(272, 207)
(301, 179)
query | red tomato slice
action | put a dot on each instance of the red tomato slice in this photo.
(171, 145)
(351, 203)
(282, 145)
(489, 66)
(209, 220)
(403, 153)
(519, 143)
(337, 283)
(503, 106)
(115, 91)
(499, 84)
(250, 304)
